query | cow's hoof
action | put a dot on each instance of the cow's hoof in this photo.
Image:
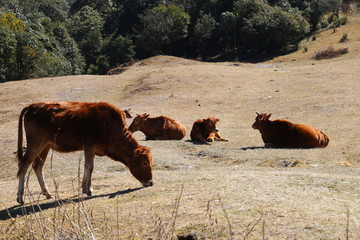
(209, 140)
(20, 200)
(48, 195)
(90, 194)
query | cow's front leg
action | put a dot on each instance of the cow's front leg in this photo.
(88, 169)
(211, 137)
(219, 138)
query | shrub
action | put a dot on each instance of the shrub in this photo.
(330, 52)
(344, 38)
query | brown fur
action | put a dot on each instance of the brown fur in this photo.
(204, 130)
(97, 128)
(283, 134)
(158, 128)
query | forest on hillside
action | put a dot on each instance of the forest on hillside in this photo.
(40, 38)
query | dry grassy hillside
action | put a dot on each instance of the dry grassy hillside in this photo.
(223, 190)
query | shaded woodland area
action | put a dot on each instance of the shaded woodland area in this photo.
(64, 37)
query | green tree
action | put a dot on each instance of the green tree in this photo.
(204, 29)
(119, 50)
(163, 26)
(273, 29)
(56, 10)
(126, 15)
(7, 55)
(318, 8)
(103, 7)
(85, 27)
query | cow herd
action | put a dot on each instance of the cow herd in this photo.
(100, 129)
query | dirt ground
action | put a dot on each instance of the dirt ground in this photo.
(222, 190)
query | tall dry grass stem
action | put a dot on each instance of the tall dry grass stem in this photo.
(227, 218)
(347, 223)
(176, 210)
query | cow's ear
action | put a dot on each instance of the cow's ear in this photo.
(257, 113)
(140, 151)
(268, 116)
(146, 115)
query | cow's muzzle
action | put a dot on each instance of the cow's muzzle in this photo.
(148, 183)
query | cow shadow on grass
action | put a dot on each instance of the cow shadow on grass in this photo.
(198, 143)
(20, 211)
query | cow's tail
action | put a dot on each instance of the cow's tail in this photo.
(20, 155)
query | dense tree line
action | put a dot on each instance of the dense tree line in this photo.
(41, 38)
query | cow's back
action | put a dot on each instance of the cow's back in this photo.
(287, 134)
(69, 126)
(175, 130)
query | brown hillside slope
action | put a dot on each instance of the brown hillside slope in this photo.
(235, 185)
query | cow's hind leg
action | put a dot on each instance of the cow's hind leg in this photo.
(88, 169)
(24, 164)
(38, 166)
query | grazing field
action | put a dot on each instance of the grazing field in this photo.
(222, 190)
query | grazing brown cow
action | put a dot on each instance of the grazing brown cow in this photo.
(158, 128)
(204, 130)
(97, 128)
(283, 134)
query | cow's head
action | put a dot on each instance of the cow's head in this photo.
(260, 119)
(211, 124)
(141, 166)
(138, 122)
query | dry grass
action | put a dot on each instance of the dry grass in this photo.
(223, 190)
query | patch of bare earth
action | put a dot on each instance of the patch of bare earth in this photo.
(222, 190)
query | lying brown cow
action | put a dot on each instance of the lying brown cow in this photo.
(204, 130)
(158, 128)
(97, 128)
(283, 134)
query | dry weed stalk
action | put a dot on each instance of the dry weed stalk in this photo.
(347, 223)
(215, 230)
(176, 210)
(251, 227)
(227, 218)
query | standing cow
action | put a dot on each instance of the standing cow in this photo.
(284, 134)
(97, 128)
(158, 128)
(204, 130)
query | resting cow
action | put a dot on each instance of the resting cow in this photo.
(158, 128)
(283, 134)
(204, 130)
(97, 128)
